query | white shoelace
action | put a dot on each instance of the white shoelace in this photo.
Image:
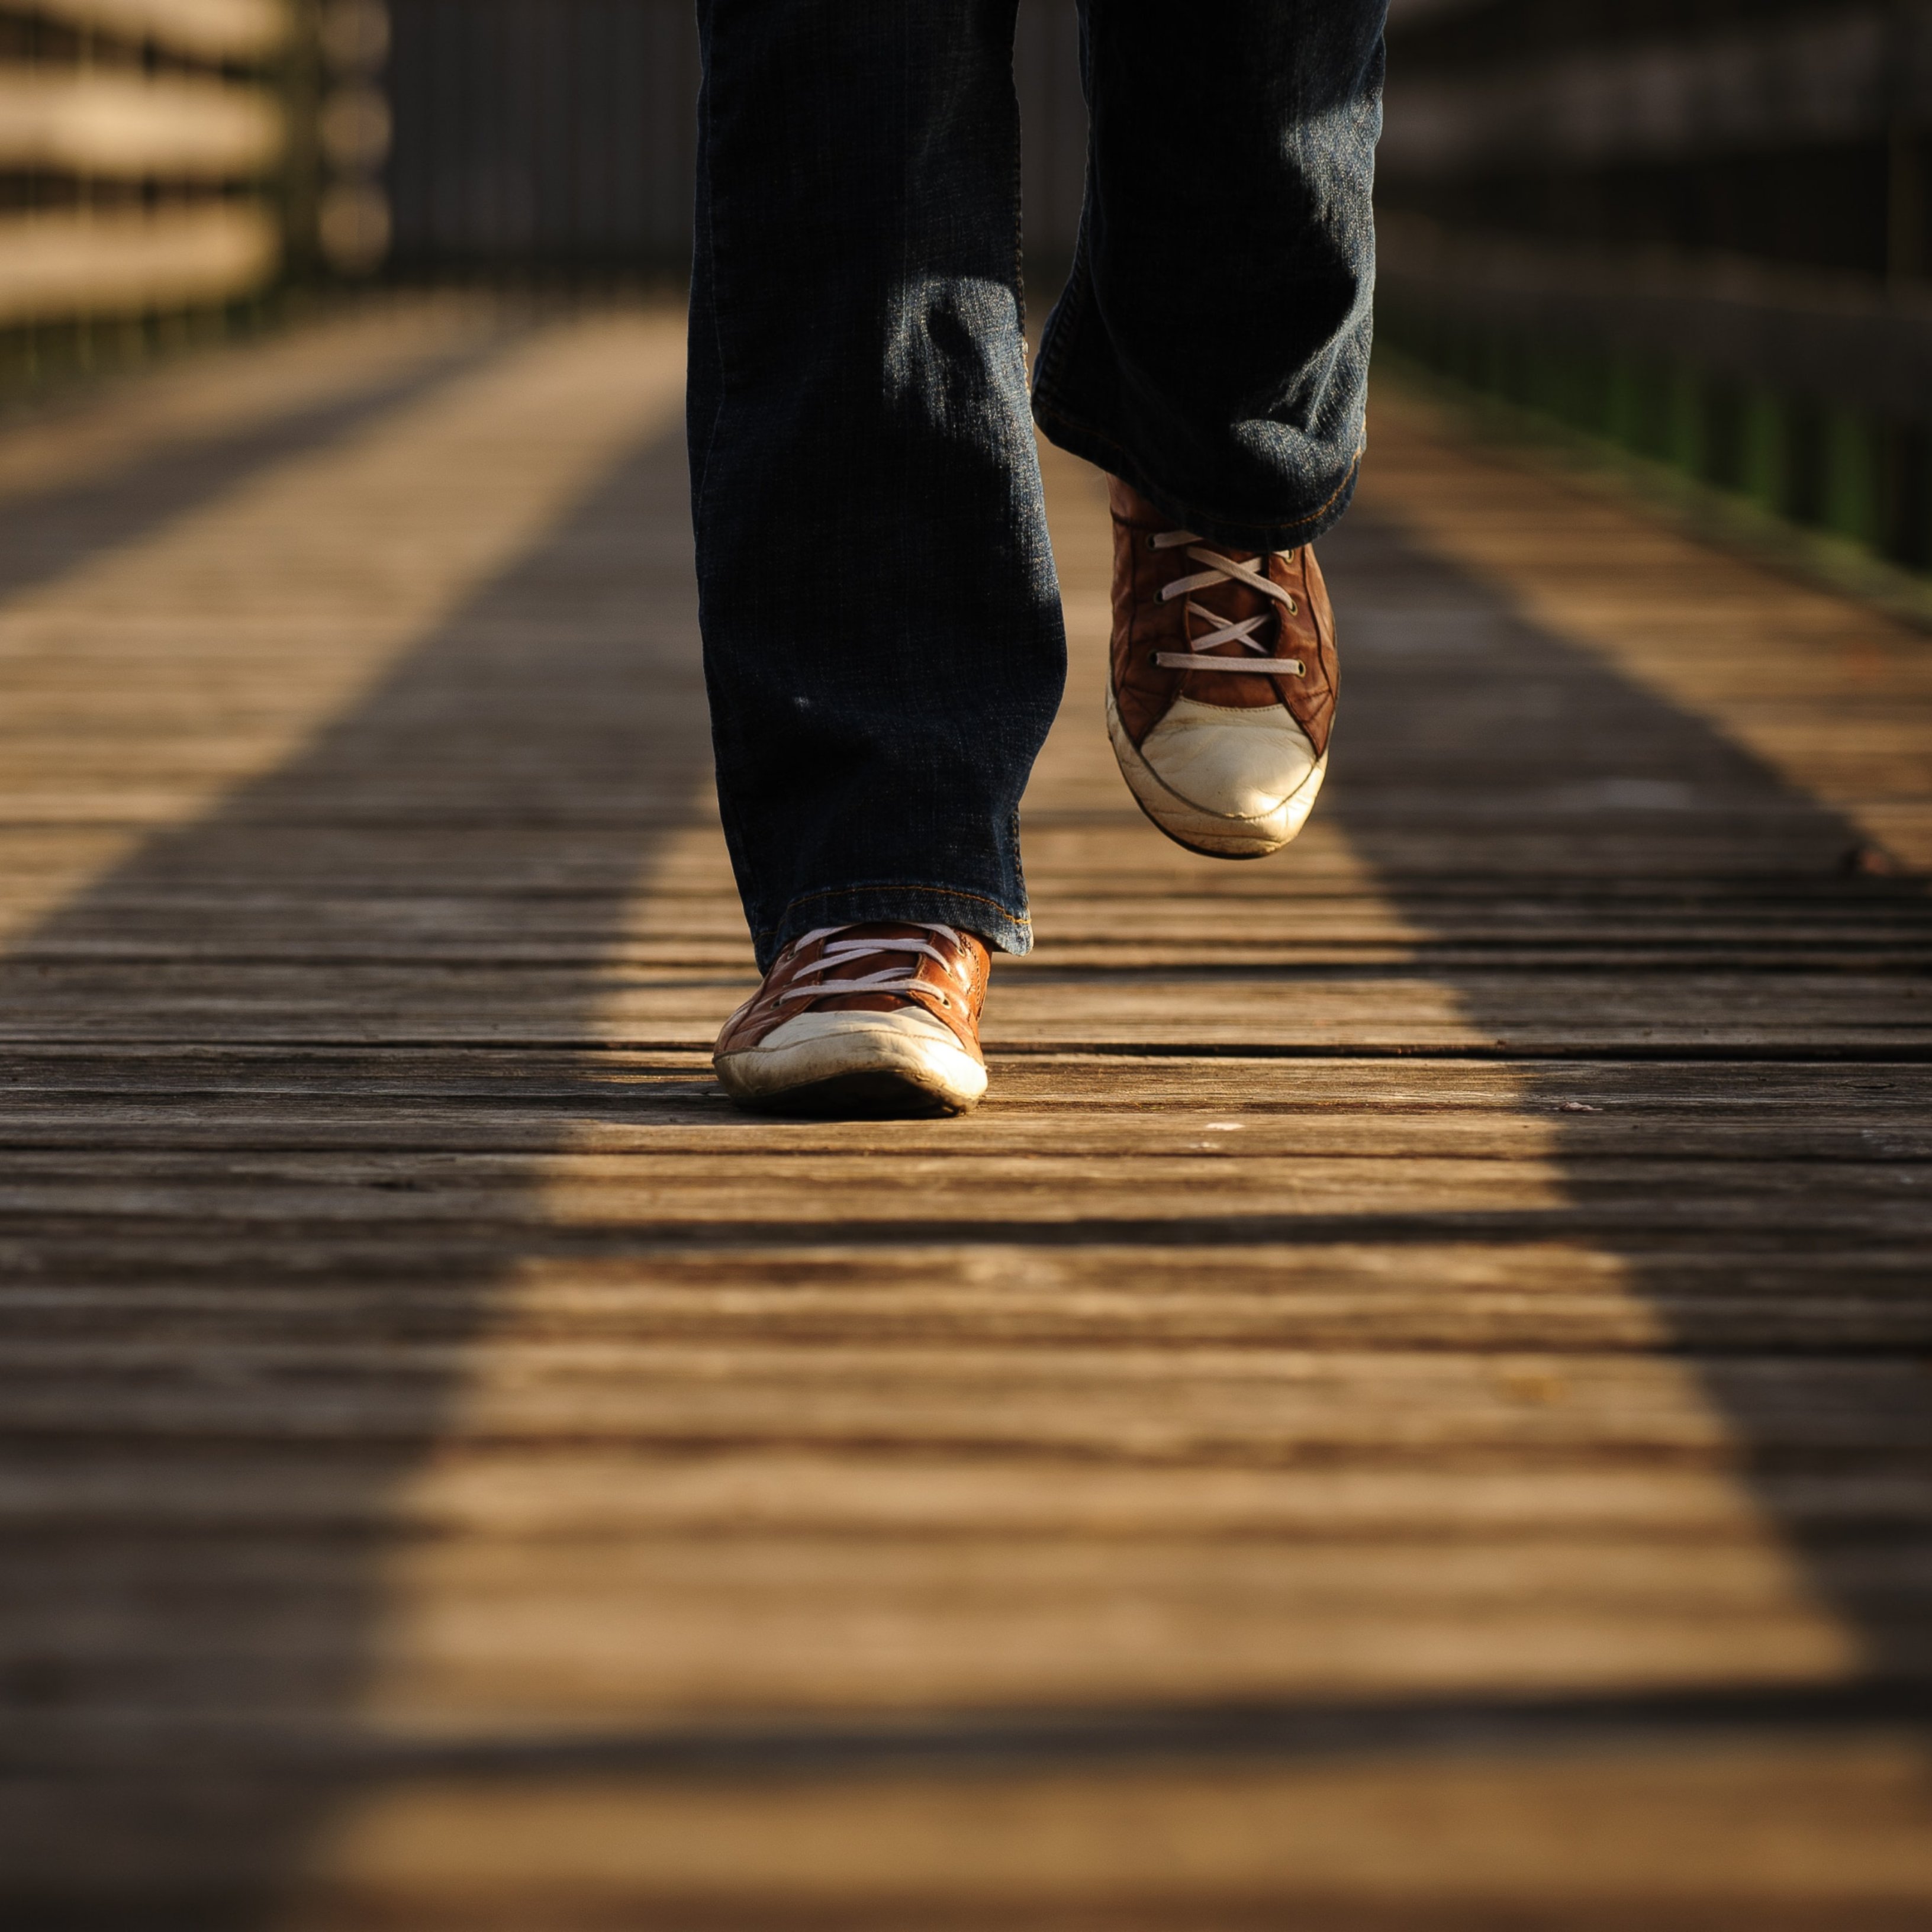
(896, 978)
(1225, 570)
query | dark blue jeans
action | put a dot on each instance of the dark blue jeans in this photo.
(882, 630)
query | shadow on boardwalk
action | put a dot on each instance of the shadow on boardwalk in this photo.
(1497, 773)
(191, 1629)
(327, 967)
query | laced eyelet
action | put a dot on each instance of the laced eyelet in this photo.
(816, 981)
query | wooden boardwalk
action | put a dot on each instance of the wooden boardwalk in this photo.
(1409, 1407)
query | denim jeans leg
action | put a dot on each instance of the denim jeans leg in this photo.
(883, 640)
(1212, 345)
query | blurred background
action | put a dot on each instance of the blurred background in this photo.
(1697, 229)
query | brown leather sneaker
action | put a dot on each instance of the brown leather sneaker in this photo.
(1222, 690)
(870, 1022)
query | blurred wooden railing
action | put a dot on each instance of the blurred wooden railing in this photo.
(164, 163)
(167, 167)
(141, 142)
(1701, 231)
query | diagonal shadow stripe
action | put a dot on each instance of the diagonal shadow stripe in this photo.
(546, 736)
(50, 532)
(1488, 742)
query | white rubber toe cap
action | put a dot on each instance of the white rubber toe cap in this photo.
(1233, 783)
(877, 1053)
(1230, 763)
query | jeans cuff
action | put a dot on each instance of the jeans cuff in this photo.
(1093, 446)
(1005, 928)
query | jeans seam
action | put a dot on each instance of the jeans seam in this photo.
(732, 822)
(1068, 311)
(710, 245)
(1019, 219)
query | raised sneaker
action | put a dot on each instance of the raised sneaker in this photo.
(871, 1022)
(1222, 685)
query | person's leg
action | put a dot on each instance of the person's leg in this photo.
(883, 639)
(1211, 352)
(1211, 349)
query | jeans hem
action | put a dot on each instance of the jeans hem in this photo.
(1095, 446)
(1001, 926)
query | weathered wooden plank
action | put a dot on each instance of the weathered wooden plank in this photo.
(1203, 1201)
(1388, 1298)
(1728, 1834)
(574, 1493)
(1840, 1136)
(1572, 1838)
(1157, 1403)
(1151, 1082)
(1375, 1008)
(580, 1635)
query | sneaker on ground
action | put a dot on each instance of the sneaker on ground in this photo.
(1222, 685)
(867, 1022)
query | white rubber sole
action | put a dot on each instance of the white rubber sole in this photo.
(862, 1065)
(1205, 831)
